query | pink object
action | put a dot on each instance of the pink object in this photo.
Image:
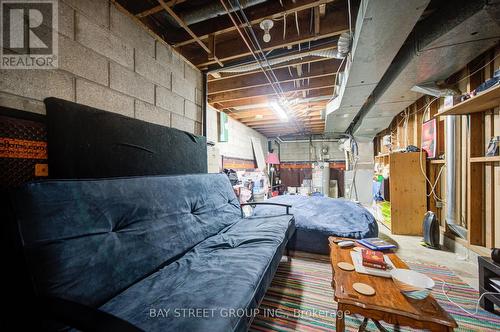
(272, 158)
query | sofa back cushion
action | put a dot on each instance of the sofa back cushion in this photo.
(87, 240)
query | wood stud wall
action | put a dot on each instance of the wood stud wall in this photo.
(478, 183)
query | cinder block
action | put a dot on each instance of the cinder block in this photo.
(131, 33)
(166, 56)
(22, 103)
(66, 20)
(192, 111)
(130, 83)
(37, 83)
(193, 75)
(98, 96)
(151, 113)
(96, 10)
(182, 123)
(198, 128)
(82, 61)
(168, 100)
(199, 96)
(103, 42)
(183, 87)
(152, 69)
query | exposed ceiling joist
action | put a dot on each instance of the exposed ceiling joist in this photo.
(288, 87)
(283, 75)
(189, 31)
(265, 100)
(232, 48)
(158, 8)
(255, 17)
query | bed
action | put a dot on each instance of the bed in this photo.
(317, 218)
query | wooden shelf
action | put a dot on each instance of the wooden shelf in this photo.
(483, 101)
(485, 159)
(438, 161)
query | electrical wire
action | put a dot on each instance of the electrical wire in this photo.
(443, 284)
(273, 80)
(297, 24)
(432, 185)
(477, 70)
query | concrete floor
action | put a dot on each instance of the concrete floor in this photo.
(462, 263)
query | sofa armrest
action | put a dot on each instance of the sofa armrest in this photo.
(82, 317)
(253, 204)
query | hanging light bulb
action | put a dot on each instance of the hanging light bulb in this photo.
(266, 25)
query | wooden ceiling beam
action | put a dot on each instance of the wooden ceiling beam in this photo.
(334, 24)
(314, 84)
(285, 124)
(267, 114)
(283, 75)
(170, 11)
(158, 8)
(255, 16)
(272, 117)
(325, 92)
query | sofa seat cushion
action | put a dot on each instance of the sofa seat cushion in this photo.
(226, 272)
(88, 240)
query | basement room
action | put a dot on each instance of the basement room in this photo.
(250, 165)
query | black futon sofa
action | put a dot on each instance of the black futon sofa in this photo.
(156, 253)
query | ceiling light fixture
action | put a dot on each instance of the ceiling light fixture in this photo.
(279, 110)
(266, 25)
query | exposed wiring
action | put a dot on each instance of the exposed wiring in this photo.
(256, 47)
(432, 185)
(350, 16)
(297, 24)
(284, 26)
(443, 284)
(477, 70)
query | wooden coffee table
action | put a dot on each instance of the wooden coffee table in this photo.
(388, 304)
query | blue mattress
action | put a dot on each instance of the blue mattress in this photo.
(317, 218)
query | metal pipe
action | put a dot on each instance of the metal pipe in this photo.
(451, 170)
(212, 10)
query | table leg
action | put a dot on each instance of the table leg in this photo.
(340, 322)
(379, 326)
(362, 327)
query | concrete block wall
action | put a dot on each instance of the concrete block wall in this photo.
(108, 61)
(239, 143)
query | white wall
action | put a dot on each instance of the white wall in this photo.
(299, 151)
(239, 144)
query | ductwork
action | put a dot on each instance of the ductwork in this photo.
(381, 28)
(442, 44)
(209, 11)
(328, 53)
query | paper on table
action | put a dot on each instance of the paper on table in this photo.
(357, 261)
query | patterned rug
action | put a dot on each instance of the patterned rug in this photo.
(301, 299)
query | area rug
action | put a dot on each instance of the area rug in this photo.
(301, 299)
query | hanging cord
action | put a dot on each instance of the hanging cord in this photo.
(271, 76)
(297, 24)
(350, 16)
(443, 284)
(432, 185)
(284, 26)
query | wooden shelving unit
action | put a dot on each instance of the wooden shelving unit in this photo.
(484, 159)
(407, 188)
(477, 163)
(481, 102)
